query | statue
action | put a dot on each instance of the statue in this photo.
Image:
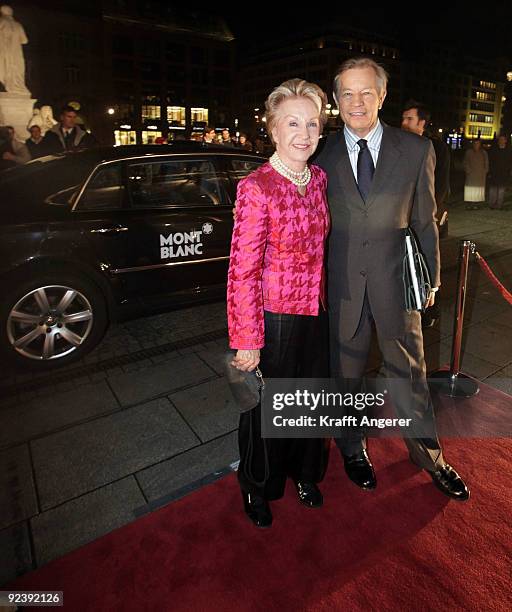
(42, 117)
(12, 62)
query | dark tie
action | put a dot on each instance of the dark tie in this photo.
(68, 139)
(365, 168)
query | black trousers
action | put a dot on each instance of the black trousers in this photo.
(406, 370)
(295, 346)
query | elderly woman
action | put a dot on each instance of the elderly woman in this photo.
(275, 292)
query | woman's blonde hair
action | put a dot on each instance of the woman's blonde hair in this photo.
(294, 88)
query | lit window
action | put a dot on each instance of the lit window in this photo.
(149, 136)
(199, 114)
(150, 111)
(124, 137)
(176, 115)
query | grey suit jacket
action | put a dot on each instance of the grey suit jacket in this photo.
(366, 244)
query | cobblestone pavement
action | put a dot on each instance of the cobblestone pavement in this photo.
(147, 417)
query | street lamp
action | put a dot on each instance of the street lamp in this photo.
(110, 111)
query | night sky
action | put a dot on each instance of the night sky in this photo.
(484, 31)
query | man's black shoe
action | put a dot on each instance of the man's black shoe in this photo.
(360, 470)
(450, 483)
(257, 509)
(309, 494)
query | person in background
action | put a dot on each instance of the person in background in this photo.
(209, 135)
(35, 142)
(14, 152)
(226, 138)
(416, 118)
(476, 166)
(500, 167)
(67, 135)
(275, 293)
(243, 143)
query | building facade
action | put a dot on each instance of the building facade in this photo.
(465, 94)
(315, 58)
(140, 70)
(170, 72)
(133, 70)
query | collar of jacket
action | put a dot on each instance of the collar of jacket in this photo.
(79, 134)
(389, 154)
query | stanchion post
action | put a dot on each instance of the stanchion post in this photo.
(451, 382)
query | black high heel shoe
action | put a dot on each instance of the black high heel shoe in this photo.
(257, 509)
(309, 494)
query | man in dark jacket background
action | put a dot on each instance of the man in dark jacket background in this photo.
(66, 135)
(416, 118)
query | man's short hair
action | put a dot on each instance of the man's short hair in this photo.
(67, 109)
(422, 110)
(362, 62)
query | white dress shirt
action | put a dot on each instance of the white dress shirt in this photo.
(374, 139)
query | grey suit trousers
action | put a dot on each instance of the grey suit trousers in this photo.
(406, 370)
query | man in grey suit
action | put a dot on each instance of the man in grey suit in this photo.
(381, 180)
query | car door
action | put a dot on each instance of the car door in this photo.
(101, 212)
(182, 222)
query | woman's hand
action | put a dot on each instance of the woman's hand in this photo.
(246, 360)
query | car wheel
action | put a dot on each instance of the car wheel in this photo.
(52, 321)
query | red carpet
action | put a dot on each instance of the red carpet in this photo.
(402, 547)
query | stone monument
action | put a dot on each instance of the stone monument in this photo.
(16, 103)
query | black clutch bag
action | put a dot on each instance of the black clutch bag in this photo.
(246, 387)
(247, 390)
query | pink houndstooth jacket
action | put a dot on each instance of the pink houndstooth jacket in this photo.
(277, 252)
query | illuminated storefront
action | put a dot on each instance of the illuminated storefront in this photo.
(125, 136)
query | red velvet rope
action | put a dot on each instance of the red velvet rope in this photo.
(485, 267)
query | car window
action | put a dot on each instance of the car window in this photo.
(104, 191)
(240, 168)
(180, 182)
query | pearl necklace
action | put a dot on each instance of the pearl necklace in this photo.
(301, 179)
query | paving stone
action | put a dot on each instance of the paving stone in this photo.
(503, 318)
(208, 408)
(487, 342)
(168, 476)
(85, 519)
(16, 555)
(469, 364)
(17, 493)
(27, 420)
(214, 357)
(501, 380)
(132, 388)
(80, 459)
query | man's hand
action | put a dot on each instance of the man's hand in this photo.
(431, 300)
(9, 156)
(246, 360)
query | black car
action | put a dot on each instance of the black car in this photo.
(91, 237)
